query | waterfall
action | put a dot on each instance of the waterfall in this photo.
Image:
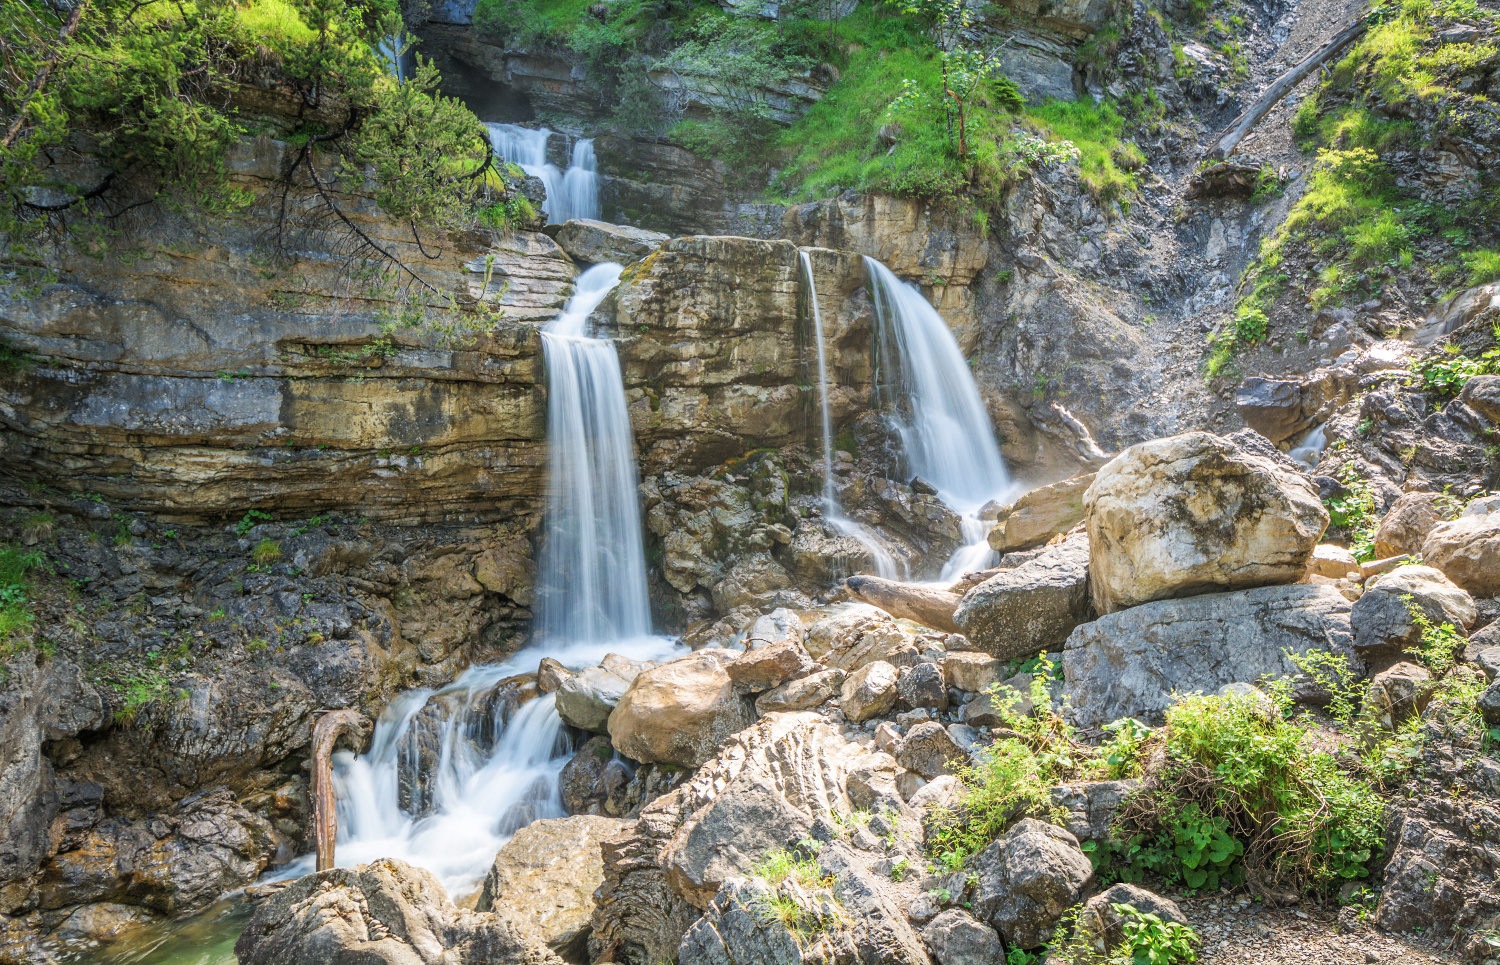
(592, 580)
(571, 194)
(944, 429)
(451, 774)
(1310, 451)
(884, 563)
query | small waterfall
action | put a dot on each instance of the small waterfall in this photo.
(883, 561)
(452, 774)
(1309, 451)
(571, 194)
(944, 428)
(592, 580)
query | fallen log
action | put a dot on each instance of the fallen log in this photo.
(1283, 85)
(329, 729)
(926, 605)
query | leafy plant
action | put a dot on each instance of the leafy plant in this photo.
(266, 552)
(1355, 513)
(16, 567)
(251, 520)
(1149, 940)
(1122, 752)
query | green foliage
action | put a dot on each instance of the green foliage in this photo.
(1250, 327)
(16, 567)
(1355, 513)
(266, 552)
(1191, 848)
(1007, 782)
(1440, 643)
(1445, 372)
(1484, 266)
(140, 689)
(781, 865)
(1106, 162)
(251, 520)
(1122, 752)
(964, 67)
(1151, 941)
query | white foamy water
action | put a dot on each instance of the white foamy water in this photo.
(884, 563)
(1309, 451)
(570, 194)
(451, 774)
(940, 418)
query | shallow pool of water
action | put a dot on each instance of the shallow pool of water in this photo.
(206, 938)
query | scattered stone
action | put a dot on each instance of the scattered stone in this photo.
(869, 691)
(1381, 617)
(384, 911)
(971, 671)
(1467, 550)
(923, 686)
(1193, 514)
(587, 698)
(855, 635)
(1406, 524)
(942, 791)
(1039, 515)
(1397, 694)
(956, 938)
(1027, 879)
(1031, 608)
(769, 666)
(595, 242)
(928, 750)
(802, 693)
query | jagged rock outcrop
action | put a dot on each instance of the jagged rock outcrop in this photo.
(385, 911)
(594, 242)
(1027, 879)
(767, 788)
(1407, 523)
(1192, 514)
(1131, 663)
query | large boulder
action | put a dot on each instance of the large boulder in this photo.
(1133, 663)
(928, 750)
(1467, 550)
(1027, 879)
(801, 693)
(587, 698)
(1482, 394)
(382, 913)
(774, 654)
(1382, 616)
(855, 635)
(595, 242)
(544, 878)
(1040, 515)
(1406, 524)
(971, 671)
(1194, 514)
(923, 686)
(1022, 611)
(680, 712)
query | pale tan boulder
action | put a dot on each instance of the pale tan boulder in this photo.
(1195, 514)
(869, 691)
(680, 712)
(855, 635)
(1040, 515)
(1405, 527)
(1333, 562)
(1467, 550)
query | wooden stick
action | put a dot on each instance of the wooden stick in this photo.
(925, 604)
(1283, 85)
(327, 732)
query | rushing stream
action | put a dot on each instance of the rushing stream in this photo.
(573, 193)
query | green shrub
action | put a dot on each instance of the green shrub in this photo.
(1355, 513)
(266, 552)
(16, 567)
(1484, 266)
(1151, 941)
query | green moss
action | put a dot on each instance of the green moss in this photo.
(1105, 160)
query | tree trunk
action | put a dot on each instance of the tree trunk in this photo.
(911, 601)
(1283, 85)
(327, 732)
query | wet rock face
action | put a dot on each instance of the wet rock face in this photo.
(173, 863)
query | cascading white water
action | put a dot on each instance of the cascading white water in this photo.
(571, 194)
(880, 557)
(1309, 452)
(452, 774)
(592, 582)
(939, 416)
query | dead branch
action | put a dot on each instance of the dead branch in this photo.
(1283, 85)
(925, 604)
(327, 732)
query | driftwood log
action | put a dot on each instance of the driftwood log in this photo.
(926, 605)
(328, 730)
(1230, 138)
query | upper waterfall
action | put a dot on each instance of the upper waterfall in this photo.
(571, 194)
